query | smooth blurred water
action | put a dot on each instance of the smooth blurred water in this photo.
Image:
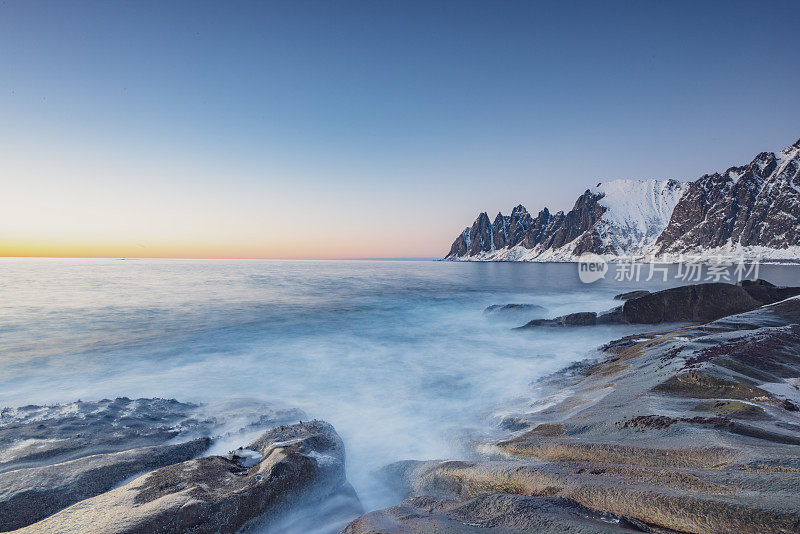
(397, 355)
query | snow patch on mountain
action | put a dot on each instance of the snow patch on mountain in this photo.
(636, 213)
(729, 252)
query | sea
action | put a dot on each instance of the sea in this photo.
(399, 356)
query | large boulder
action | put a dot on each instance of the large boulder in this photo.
(693, 303)
(703, 302)
(284, 468)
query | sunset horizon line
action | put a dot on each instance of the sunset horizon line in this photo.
(270, 258)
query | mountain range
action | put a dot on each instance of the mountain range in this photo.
(751, 211)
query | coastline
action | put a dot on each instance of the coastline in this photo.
(680, 430)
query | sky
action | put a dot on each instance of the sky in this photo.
(337, 129)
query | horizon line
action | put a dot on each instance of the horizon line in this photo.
(406, 258)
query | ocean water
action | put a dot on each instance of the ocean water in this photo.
(397, 355)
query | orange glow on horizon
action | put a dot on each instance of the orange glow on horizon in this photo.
(185, 251)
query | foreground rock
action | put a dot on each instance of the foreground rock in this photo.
(490, 512)
(28, 495)
(295, 465)
(686, 304)
(685, 430)
(54, 456)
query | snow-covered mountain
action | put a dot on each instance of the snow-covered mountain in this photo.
(753, 210)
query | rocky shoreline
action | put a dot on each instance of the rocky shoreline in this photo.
(691, 429)
(686, 429)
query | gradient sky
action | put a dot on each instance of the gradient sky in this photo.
(364, 129)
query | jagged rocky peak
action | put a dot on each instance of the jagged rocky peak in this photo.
(460, 246)
(753, 210)
(583, 216)
(485, 236)
(519, 223)
(481, 235)
(538, 228)
(473, 241)
(500, 230)
(519, 212)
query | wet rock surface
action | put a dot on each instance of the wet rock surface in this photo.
(68, 467)
(30, 494)
(687, 429)
(299, 464)
(490, 513)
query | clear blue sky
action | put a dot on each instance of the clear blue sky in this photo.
(328, 129)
